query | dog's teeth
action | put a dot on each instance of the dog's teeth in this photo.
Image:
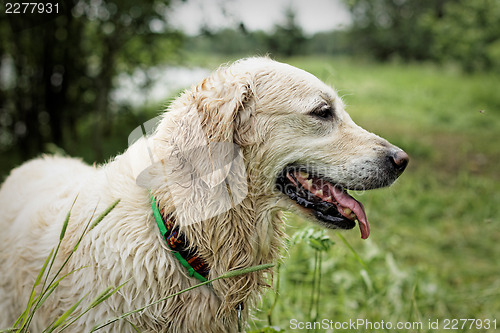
(319, 193)
(309, 182)
(347, 211)
(329, 198)
(304, 174)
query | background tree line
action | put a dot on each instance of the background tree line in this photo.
(466, 32)
(58, 71)
(463, 31)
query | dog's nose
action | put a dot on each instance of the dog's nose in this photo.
(399, 160)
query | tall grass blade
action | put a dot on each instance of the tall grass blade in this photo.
(101, 297)
(356, 256)
(133, 326)
(85, 230)
(61, 236)
(66, 221)
(35, 302)
(318, 290)
(414, 306)
(243, 271)
(104, 214)
(229, 274)
(53, 286)
(276, 296)
(45, 295)
(24, 318)
(107, 293)
(65, 315)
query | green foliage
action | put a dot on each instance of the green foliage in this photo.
(320, 243)
(464, 31)
(287, 39)
(469, 33)
(62, 68)
(330, 43)
(284, 40)
(386, 28)
(266, 330)
(229, 41)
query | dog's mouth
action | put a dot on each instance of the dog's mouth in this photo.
(329, 203)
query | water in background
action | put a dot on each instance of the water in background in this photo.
(155, 84)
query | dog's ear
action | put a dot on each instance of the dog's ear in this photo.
(224, 102)
(201, 162)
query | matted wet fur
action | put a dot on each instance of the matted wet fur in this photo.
(278, 116)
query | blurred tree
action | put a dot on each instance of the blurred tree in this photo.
(287, 39)
(330, 42)
(388, 28)
(60, 67)
(466, 31)
(242, 42)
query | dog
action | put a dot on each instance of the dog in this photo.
(254, 138)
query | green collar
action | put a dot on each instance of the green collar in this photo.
(195, 265)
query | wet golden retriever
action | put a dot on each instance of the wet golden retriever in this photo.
(252, 139)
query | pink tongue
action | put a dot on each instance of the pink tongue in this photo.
(345, 200)
(341, 197)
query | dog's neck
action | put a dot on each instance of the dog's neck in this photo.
(188, 257)
(251, 233)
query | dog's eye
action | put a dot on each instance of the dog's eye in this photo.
(324, 112)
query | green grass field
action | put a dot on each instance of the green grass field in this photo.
(434, 251)
(433, 255)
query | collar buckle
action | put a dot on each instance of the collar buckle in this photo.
(239, 308)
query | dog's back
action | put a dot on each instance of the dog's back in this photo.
(32, 203)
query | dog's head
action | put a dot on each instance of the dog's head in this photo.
(298, 145)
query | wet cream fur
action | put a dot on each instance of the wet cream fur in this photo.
(260, 105)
